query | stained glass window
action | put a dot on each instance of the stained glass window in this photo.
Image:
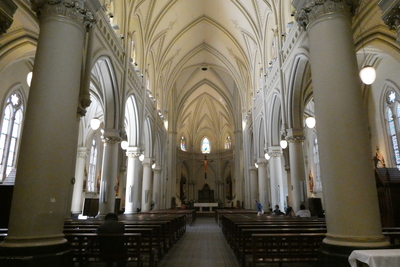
(10, 133)
(183, 143)
(228, 142)
(205, 146)
(91, 183)
(392, 130)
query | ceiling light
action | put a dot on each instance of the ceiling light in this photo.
(368, 74)
(283, 144)
(310, 122)
(95, 123)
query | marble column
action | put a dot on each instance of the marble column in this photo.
(48, 146)
(109, 171)
(147, 184)
(295, 139)
(76, 207)
(350, 196)
(157, 188)
(275, 165)
(132, 180)
(253, 185)
(262, 182)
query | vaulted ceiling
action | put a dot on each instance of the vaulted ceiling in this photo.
(203, 58)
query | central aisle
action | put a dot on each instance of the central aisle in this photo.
(203, 245)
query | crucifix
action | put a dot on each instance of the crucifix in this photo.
(205, 161)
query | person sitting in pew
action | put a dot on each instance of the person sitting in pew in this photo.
(290, 212)
(277, 211)
(112, 249)
(303, 212)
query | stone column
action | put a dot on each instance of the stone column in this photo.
(262, 182)
(350, 196)
(253, 185)
(295, 139)
(76, 207)
(157, 188)
(275, 165)
(132, 180)
(109, 171)
(147, 184)
(48, 146)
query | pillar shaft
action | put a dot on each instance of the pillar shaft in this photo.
(263, 182)
(345, 154)
(295, 139)
(253, 184)
(157, 188)
(109, 171)
(48, 146)
(132, 180)
(76, 206)
(277, 193)
(147, 184)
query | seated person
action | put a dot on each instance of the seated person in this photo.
(112, 248)
(276, 211)
(303, 212)
(290, 212)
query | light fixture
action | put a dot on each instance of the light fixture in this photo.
(267, 156)
(153, 166)
(124, 144)
(141, 157)
(283, 144)
(29, 78)
(255, 164)
(95, 123)
(310, 122)
(368, 74)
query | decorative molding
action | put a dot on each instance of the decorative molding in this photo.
(7, 11)
(391, 15)
(133, 154)
(111, 139)
(309, 10)
(75, 10)
(295, 139)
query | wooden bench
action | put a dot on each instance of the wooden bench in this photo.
(86, 249)
(285, 247)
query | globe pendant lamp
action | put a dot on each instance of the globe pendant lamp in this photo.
(368, 75)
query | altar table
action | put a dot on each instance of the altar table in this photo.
(201, 205)
(375, 258)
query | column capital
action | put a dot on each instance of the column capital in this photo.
(275, 151)
(309, 10)
(133, 152)
(75, 10)
(295, 135)
(262, 162)
(7, 10)
(391, 15)
(111, 136)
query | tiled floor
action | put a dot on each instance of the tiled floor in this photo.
(203, 245)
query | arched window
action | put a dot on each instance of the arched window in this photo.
(91, 183)
(205, 146)
(183, 143)
(393, 107)
(10, 133)
(228, 142)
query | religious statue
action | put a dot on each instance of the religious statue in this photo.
(311, 182)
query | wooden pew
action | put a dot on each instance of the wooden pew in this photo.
(85, 246)
(285, 247)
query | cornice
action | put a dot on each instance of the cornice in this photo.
(7, 11)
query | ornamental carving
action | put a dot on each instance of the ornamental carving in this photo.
(295, 139)
(275, 154)
(311, 10)
(75, 10)
(392, 19)
(111, 140)
(133, 154)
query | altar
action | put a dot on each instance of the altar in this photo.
(209, 205)
(375, 258)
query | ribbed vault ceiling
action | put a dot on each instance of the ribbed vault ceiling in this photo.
(177, 39)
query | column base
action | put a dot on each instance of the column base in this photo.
(54, 256)
(333, 255)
